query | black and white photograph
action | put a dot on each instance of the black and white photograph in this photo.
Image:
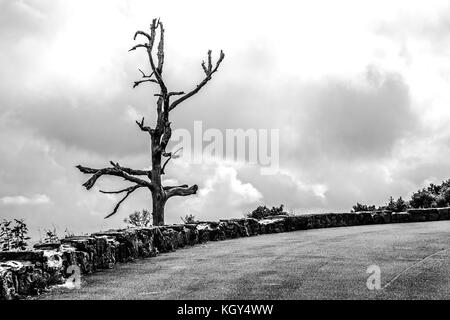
(202, 152)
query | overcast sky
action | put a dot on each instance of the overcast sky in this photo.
(359, 91)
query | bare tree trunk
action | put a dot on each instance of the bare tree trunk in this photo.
(158, 209)
(158, 194)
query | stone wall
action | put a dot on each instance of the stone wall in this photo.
(26, 273)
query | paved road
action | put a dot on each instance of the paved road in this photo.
(310, 264)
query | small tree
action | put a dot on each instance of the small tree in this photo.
(392, 205)
(20, 231)
(5, 235)
(13, 237)
(139, 219)
(400, 205)
(422, 199)
(159, 134)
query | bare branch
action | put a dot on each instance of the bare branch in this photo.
(136, 83)
(144, 128)
(171, 187)
(138, 46)
(145, 34)
(209, 61)
(128, 177)
(209, 72)
(170, 156)
(176, 93)
(181, 191)
(146, 79)
(157, 71)
(161, 48)
(120, 191)
(115, 171)
(205, 69)
(144, 75)
(128, 191)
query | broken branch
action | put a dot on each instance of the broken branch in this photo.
(138, 46)
(114, 171)
(144, 128)
(128, 191)
(136, 83)
(181, 191)
(170, 156)
(208, 71)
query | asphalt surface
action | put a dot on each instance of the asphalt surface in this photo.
(331, 263)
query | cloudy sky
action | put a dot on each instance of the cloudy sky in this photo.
(359, 91)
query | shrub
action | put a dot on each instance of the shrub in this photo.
(433, 196)
(188, 219)
(440, 201)
(262, 211)
(5, 235)
(51, 236)
(396, 206)
(139, 219)
(423, 198)
(363, 207)
(68, 233)
(400, 205)
(13, 237)
(392, 205)
(434, 189)
(446, 195)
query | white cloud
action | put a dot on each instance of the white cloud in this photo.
(223, 195)
(23, 200)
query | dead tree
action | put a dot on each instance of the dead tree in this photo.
(159, 135)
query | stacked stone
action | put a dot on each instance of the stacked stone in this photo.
(25, 273)
(234, 228)
(210, 231)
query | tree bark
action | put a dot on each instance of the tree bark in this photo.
(158, 194)
(158, 209)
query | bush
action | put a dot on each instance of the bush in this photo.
(139, 219)
(51, 236)
(392, 205)
(446, 196)
(13, 237)
(363, 207)
(423, 199)
(396, 206)
(262, 211)
(400, 205)
(440, 201)
(434, 189)
(433, 196)
(188, 219)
